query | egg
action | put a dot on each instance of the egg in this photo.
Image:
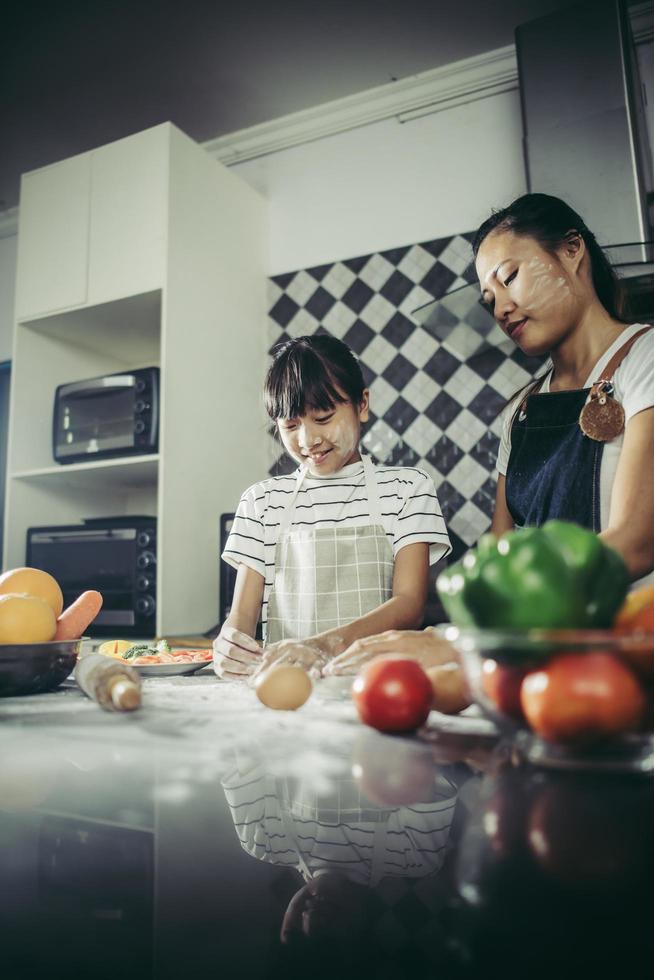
(26, 619)
(33, 581)
(284, 687)
(451, 694)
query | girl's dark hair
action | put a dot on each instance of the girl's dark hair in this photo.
(550, 221)
(311, 372)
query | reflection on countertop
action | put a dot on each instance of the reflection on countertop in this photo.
(208, 836)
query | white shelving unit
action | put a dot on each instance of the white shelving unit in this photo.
(146, 252)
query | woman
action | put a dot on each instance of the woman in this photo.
(571, 448)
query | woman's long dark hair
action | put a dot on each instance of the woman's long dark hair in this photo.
(550, 222)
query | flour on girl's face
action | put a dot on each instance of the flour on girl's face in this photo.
(325, 441)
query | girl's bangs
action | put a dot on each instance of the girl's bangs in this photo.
(291, 392)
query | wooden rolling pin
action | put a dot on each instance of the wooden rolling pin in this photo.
(115, 686)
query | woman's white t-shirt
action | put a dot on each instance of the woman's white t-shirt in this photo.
(633, 384)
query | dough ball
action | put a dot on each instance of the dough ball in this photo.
(33, 581)
(284, 687)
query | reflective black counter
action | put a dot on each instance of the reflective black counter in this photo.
(206, 836)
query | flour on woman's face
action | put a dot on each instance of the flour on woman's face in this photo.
(527, 291)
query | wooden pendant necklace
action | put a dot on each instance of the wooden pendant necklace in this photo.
(602, 417)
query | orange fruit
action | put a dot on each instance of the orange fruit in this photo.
(33, 581)
(637, 611)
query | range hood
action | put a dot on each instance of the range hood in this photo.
(585, 141)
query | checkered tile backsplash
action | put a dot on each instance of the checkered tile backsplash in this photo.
(435, 391)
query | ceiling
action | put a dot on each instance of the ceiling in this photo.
(80, 73)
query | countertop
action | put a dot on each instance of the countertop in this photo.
(207, 836)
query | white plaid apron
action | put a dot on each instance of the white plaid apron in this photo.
(328, 576)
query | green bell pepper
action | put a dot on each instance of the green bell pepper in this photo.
(558, 576)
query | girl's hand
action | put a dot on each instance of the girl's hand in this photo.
(300, 654)
(421, 645)
(235, 654)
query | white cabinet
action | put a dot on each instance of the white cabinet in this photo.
(172, 273)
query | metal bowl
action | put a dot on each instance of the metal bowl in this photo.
(32, 668)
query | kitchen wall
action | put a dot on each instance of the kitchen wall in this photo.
(7, 288)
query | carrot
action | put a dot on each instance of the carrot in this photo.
(79, 614)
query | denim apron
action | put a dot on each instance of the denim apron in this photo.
(328, 576)
(554, 468)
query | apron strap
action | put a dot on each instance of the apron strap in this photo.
(618, 357)
(287, 513)
(372, 491)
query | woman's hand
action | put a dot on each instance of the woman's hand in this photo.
(421, 645)
(295, 652)
(235, 654)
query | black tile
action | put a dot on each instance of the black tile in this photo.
(319, 271)
(398, 330)
(484, 498)
(396, 287)
(485, 451)
(459, 548)
(319, 303)
(444, 455)
(449, 498)
(357, 295)
(487, 405)
(399, 372)
(285, 464)
(284, 310)
(441, 366)
(284, 280)
(359, 336)
(402, 455)
(368, 374)
(435, 246)
(400, 415)
(438, 280)
(356, 264)
(487, 361)
(443, 410)
(395, 255)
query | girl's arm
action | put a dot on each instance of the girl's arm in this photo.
(236, 653)
(502, 520)
(631, 516)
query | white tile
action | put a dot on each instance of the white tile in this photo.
(465, 431)
(376, 272)
(273, 292)
(463, 341)
(378, 354)
(424, 464)
(420, 391)
(509, 378)
(338, 280)
(464, 384)
(469, 523)
(421, 435)
(457, 255)
(301, 287)
(380, 440)
(377, 312)
(413, 300)
(339, 319)
(416, 263)
(302, 324)
(419, 347)
(382, 395)
(467, 476)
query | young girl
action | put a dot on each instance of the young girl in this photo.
(564, 452)
(340, 548)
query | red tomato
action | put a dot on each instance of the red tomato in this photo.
(501, 683)
(392, 694)
(582, 697)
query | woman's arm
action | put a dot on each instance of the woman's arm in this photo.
(235, 651)
(631, 515)
(502, 520)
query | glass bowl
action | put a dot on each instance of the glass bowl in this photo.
(495, 662)
(32, 668)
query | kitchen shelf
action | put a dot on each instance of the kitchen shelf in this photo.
(136, 471)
